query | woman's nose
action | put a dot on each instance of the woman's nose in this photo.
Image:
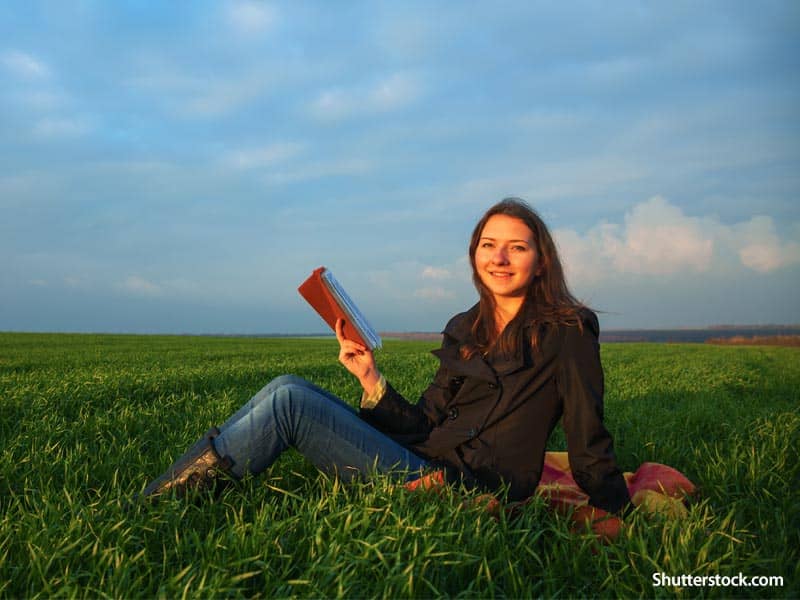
(500, 257)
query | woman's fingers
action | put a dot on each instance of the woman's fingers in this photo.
(350, 345)
(350, 354)
(350, 348)
(354, 356)
(340, 330)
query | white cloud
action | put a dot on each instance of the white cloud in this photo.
(581, 260)
(75, 281)
(436, 273)
(24, 65)
(762, 249)
(139, 286)
(410, 283)
(659, 239)
(656, 239)
(218, 283)
(332, 104)
(425, 281)
(393, 92)
(250, 18)
(386, 95)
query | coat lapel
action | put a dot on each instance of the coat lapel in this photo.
(459, 331)
(451, 360)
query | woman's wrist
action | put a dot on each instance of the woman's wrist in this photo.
(370, 382)
(370, 400)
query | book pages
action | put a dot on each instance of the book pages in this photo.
(357, 319)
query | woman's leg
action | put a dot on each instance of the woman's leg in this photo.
(292, 412)
(271, 387)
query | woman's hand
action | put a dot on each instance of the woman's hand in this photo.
(357, 359)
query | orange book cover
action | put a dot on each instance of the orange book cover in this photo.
(328, 298)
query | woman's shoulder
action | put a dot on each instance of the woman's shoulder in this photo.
(578, 317)
(588, 319)
(583, 333)
(582, 327)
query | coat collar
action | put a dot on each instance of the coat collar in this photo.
(460, 326)
(459, 330)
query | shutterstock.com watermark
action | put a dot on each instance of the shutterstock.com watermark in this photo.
(740, 580)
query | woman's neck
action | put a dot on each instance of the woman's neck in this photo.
(505, 309)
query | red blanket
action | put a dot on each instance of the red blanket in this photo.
(654, 487)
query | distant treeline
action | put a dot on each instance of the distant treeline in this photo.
(757, 340)
(780, 335)
(719, 335)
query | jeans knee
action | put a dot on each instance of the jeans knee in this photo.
(266, 393)
(288, 379)
(288, 394)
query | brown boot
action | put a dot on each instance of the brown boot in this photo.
(199, 468)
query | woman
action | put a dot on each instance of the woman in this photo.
(514, 364)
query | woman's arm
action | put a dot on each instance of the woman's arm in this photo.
(392, 413)
(382, 405)
(591, 449)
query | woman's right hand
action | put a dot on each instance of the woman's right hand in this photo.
(357, 359)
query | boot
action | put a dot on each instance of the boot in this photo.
(199, 468)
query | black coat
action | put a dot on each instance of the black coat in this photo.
(490, 420)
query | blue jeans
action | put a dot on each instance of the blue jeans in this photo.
(290, 411)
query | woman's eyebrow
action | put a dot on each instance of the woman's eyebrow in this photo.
(483, 237)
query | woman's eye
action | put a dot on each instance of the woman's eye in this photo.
(519, 248)
(486, 245)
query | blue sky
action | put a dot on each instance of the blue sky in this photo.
(182, 167)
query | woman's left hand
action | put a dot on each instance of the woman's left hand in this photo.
(357, 359)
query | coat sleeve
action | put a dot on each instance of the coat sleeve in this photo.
(395, 415)
(589, 444)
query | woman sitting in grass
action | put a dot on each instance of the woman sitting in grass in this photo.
(525, 356)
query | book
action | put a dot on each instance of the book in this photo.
(327, 296)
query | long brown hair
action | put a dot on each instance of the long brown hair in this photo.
(548, 299)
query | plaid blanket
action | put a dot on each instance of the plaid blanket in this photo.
(653, 487)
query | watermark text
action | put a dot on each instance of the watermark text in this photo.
(740, 580)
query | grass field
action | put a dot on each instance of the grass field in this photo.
(86, 420)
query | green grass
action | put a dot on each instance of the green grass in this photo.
(87, 420)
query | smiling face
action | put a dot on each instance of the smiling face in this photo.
(505, 258)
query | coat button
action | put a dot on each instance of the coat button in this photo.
(472, 432)
(452, 413)
(492, 386)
